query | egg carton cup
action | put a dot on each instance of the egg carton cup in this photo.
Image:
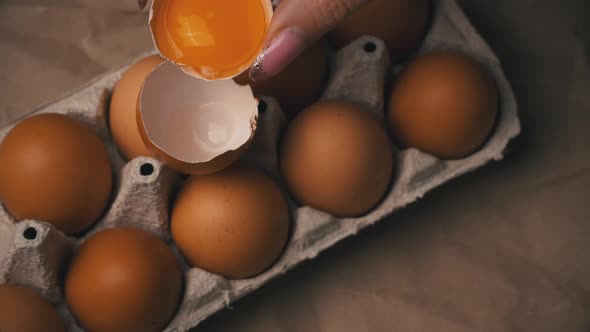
(34, 253)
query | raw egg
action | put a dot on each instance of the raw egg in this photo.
(123, 110)
(212, 39)
(24, 310)
(124, 279)
(234, 223)
(401, 24)
(444, 103)
(299, 84)
(55, 169)
(195, 126)
(337, 157)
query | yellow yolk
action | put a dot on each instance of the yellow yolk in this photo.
(215, 38)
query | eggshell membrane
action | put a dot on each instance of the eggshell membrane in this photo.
(444, 103)
(123, 108)
(300, 84)
(234, 223)
(337, 157)
(55, 169)
(401, 24)
(195, 126)
(124, 279)
(246, 64)
(24, 310)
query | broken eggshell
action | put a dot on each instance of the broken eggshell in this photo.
(157, 19)
(192, 125)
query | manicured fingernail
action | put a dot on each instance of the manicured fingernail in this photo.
(283, 49)
(142, 3)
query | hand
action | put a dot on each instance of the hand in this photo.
(295, 25)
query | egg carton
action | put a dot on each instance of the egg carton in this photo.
(34, 253)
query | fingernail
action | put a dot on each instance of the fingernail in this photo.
(142, 3)
(285, 47)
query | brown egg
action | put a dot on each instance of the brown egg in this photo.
(23, 310)
(444, 103)
(124, 279)
(55, 169)
(297, 86)
(234, 223)
(402, 24)
(337, 157)
(123, 110)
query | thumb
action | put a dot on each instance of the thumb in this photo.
(295, 25)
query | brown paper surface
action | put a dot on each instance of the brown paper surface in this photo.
(502, 249)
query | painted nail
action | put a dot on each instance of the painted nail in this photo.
(142, 3)
(285, 47)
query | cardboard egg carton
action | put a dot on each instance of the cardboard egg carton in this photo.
(33, 253)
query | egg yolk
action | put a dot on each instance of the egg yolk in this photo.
(215, 38)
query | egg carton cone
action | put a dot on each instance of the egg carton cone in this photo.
(33, 253)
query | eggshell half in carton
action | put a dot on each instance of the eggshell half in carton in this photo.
(195, 126)
(141, 200)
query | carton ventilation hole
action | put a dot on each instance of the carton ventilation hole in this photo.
(262, 106)
(30, 233)
(146, 169)
(370, 47)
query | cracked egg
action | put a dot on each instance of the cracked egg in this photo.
(210, 39)
(192, 125)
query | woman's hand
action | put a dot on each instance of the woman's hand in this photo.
(295, 25)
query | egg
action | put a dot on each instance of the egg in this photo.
(234, 223)
(123, 108)
(55, 169)
(444, 103)
(299, 84)
(195, 126)
(123, 279)
(210, 39)
(24, 310)
(401, 24)
(337, 157)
